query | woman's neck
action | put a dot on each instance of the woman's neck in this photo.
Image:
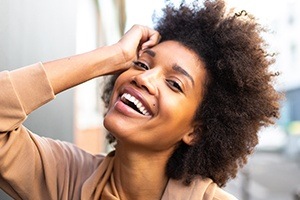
(139, 175)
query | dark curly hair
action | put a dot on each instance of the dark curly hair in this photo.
(239, 96)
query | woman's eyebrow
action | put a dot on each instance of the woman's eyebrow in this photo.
(179, 69)
(150, 52)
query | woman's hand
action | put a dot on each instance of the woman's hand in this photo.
(136, 39)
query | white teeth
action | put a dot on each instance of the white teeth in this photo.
(136, 102)
(139, 105)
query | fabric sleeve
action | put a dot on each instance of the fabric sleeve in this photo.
(22, 91)
(34, 167)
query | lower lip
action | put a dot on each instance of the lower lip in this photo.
(126, 110)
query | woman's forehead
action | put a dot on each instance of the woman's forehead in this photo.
(178, 54)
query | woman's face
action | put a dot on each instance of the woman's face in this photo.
(153, 103)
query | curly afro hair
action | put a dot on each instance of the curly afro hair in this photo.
(239, 96)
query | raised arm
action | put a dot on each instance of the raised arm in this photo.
(25, 89)
(68, 72)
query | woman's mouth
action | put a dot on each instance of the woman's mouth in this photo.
(134, 103)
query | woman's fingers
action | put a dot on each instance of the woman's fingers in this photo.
(152, 37)
(137, 38)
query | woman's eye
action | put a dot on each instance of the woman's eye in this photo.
(174, 85)
(140, 65)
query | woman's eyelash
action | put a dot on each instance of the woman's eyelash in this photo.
(141, 65)
(175, 85)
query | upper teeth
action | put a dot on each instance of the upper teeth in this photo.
(136, 102)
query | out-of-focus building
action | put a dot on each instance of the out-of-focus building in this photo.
(287, 26)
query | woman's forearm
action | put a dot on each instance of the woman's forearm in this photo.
(71, 71)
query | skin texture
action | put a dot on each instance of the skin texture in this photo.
(238, 96)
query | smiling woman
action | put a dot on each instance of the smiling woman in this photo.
(157, 82)
(236, 98)
(184, 103)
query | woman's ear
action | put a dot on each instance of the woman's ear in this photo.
(189, 138)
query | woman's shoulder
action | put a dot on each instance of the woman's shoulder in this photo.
(211, 190)
(200, 188)
(221, 194)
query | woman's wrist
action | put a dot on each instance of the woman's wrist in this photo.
(110, 59)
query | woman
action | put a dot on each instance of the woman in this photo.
(184, 112)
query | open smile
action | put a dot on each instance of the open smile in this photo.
(134, 103)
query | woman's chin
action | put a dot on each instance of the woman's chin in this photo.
(107, 123)
(115, 127)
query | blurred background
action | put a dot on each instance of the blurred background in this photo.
(33, 31)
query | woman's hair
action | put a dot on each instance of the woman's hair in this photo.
(239, 97)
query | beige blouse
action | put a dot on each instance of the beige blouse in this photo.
(34, 167)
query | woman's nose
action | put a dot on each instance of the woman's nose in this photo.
(148, 80)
